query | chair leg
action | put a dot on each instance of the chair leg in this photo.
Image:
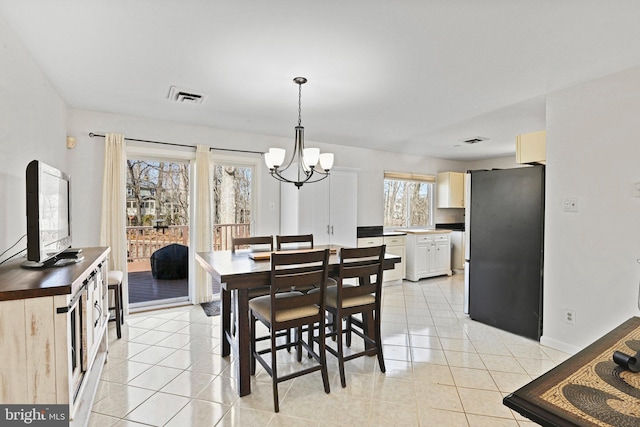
(343, 380)
(118, 308)
(348, 330)
(299, 338)
(274, 372)
(310, 335)
(378, 339)
(289, 340)
(252, 327)
(323, 355)
(121, 305)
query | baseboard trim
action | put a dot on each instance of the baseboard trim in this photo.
(559, 345)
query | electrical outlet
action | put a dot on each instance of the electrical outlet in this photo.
(570, 204)
(569, 316)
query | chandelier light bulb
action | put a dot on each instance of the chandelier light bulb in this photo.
(326, 161)
(277, 156)
(310, 157)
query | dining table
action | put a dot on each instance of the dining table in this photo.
(237, 274)
(588, 389)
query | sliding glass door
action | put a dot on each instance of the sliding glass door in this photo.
(158, 216)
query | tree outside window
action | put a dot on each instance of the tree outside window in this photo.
(407, 203)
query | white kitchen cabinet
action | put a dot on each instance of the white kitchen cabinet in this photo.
(427, 255)
(395, 245)
(326, 209)
(450, 193)
(531, 147)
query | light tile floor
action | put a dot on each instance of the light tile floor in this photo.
(443, 369)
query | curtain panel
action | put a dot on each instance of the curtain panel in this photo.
(203, 222)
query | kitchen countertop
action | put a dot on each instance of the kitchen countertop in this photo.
(423, 231)
(377, 231)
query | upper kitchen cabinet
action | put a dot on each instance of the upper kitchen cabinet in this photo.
(326, 209)
(450, 193)
(531, 147)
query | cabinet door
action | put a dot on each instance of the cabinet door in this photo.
(531, 147)
(306, 210)
(343, 213)
(442, 256)
(456, 190)
(423, 259)
(450, 190)
(326, 209)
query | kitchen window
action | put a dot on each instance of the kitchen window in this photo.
(408, 200)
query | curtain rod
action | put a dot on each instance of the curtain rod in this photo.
(91, 134)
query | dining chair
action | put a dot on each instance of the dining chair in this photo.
(253, 243)
(264, 243)
(283, 310)
(364, 266)
(300, 241)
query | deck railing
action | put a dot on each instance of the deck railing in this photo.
(143, 241)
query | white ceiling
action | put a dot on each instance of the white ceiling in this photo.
(406, 76)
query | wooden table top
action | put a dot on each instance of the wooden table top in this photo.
(235, 271)
(19, 283)
(588, 389)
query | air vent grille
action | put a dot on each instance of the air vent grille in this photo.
(474, 140)
(187, 96)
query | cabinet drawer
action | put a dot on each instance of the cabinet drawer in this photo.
(424, 238)
(364, 242)
(394, 241)
(440, 237)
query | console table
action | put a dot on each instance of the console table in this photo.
(588, 389)
(53, 340)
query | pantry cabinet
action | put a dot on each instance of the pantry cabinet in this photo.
(450, 190)
(326, 209)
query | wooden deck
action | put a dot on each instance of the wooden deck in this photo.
(143, 287)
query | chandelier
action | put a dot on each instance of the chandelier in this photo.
(311, 165)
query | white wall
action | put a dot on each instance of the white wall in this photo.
(593, 152)
(86, 166)
(32, 126)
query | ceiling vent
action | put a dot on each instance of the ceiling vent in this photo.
(186, 96)
(474, 140)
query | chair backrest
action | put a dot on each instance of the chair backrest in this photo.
(299, 269)
(361, 264)
(265, 243)
(300, 241)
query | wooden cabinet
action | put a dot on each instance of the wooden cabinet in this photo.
(428, 255)
(53, 341)
(395, 245)
(450, 190)
(531, 147)
(326, 209)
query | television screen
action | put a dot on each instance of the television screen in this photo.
(48, 213)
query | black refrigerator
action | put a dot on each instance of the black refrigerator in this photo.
(506, 244)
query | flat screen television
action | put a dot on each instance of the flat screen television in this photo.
(48, 214)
